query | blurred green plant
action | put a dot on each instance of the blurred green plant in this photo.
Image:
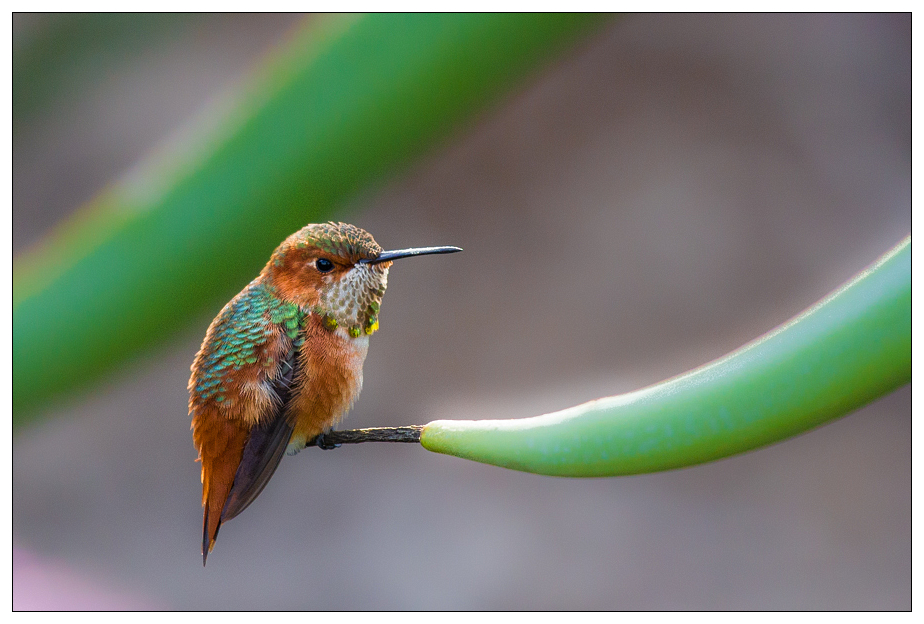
(346, 101)
(847, 350)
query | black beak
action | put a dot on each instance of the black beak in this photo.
(385, 256)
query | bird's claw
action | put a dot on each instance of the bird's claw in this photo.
(321, 442)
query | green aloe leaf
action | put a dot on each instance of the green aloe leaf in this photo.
(847, 350)
(344, 103)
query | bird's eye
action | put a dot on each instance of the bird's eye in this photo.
(324, 265)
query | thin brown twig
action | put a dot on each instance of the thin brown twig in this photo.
(410, 433)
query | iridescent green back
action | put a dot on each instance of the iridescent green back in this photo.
(241, 329)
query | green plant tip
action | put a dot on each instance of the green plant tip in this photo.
(852, 347)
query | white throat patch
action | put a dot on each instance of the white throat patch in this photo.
(354, 301)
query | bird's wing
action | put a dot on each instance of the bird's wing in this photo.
(266, 445)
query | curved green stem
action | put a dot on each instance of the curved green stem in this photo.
(845, 351)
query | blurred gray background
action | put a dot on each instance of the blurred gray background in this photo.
(665, 192)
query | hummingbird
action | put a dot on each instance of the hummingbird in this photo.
(282, 363)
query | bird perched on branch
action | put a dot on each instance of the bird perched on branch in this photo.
(281, 364)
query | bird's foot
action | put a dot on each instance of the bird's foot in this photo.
(321, 442)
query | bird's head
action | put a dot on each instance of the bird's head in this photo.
(338, 271)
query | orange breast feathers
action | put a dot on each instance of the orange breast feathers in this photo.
(330, 378)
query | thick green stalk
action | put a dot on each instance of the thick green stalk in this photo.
(342, 105)
(847, 350)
